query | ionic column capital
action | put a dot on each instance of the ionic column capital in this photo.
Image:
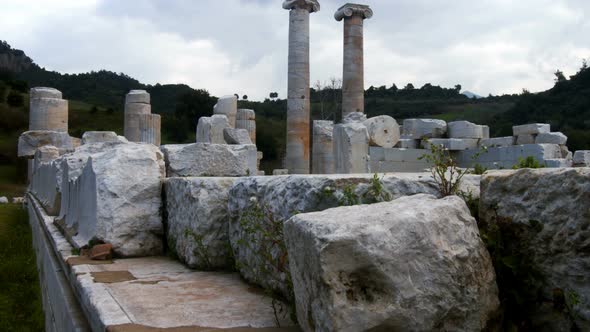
(353, 9)
(311, 5)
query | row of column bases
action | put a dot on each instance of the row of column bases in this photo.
(298, 96)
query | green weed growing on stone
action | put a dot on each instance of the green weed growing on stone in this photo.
(200, 250)
(349, 197)
(528, 162)
(377, 192)
(265, 237)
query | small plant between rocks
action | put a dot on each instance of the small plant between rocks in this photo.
(265, 237)
(528, 162)
(445, 171)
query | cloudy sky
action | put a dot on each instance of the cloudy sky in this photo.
(240, 46)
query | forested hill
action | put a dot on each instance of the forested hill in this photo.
(566, 107)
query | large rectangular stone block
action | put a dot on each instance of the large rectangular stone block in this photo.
(205, 160)
(258, 207)
(30, 141)
(531, 129)
(582, 158)
(198, 221)
(357, 268)
(351, 148)
(551, 138)
(424, 128)
(545, 214)
(497, 142)
(111, 193)
(453, 144)
(465, 129)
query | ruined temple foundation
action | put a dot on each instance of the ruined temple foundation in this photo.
(298, 102)
(353, 86)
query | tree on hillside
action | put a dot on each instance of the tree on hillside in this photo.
(559, 77)
(190, 107)
(409, 86)
(245, 97)
(15, 99)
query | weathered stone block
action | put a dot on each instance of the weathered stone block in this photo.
(111, 192)
(198, 160)
(405, 143)
(357, 268)
(259, 205)
(351, 148)
(545, 214)
(452, 144)
(424, 128)
(210, 129)
(531, 129)
(228, 106)
(558, 163)
(383, 131)
(486, 132)
(30, 141)
(198, 221)
(465, 129)
(497, 142)
(551, 138)
(236, 136)
(582, 158)
(525, 139)
(91, 137)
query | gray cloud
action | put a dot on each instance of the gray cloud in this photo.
(227, 46)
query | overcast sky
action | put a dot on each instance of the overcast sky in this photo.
(240, 46)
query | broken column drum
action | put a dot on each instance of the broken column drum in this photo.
(323, 147)
(353, 84)
(48, 111)
(150, 129)
(137, 103)
(298, 102)
(246, 119)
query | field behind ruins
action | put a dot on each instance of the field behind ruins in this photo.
(20, 296)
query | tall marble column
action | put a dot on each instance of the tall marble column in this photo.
(353, 77)
(298, 103)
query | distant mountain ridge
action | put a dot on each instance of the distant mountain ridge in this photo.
(471, 95)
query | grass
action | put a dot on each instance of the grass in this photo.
(9, 185)
(20, 297)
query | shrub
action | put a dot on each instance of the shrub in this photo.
(445, 171)
(15, 99)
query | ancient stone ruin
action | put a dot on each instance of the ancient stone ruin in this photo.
(134, 235)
